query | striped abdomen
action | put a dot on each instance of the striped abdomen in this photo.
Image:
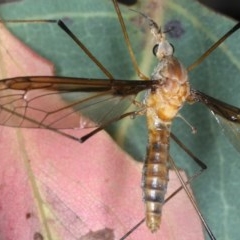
(155, 174)
(162, 105)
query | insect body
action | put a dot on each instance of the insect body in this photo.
(162, 105)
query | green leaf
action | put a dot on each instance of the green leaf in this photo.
(216, 190)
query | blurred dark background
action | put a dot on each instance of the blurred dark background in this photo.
(230, 8)
(127, 2)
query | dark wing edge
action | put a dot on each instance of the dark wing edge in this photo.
(227, 116)
(225, 110)
(61, 102)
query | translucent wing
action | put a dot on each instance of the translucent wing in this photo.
(38, 102)
(227, 116)
(231, 130)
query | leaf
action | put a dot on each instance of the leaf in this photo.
(96, 27)
(54, 187)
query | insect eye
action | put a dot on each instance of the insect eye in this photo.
(166, 49)
(155, 49)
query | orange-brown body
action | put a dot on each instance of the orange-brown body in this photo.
(162, 105)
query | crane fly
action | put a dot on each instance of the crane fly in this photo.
(167, 90)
